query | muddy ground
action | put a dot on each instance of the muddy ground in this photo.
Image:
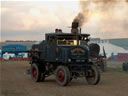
(14, 82)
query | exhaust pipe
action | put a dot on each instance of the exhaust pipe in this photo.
(75, 28)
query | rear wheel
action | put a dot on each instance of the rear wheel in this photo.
(36, 73)
(93, 75)
(62, 75)
(103, 66)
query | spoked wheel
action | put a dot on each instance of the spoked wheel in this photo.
(93, 75)
(36, 73)
(62, 75)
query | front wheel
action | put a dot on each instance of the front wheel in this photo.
(62, 74)
(93, 75)
(36, 73)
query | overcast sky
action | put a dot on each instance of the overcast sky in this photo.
(31, 19)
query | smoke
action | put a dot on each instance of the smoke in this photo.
(80, 18)
(106, 15)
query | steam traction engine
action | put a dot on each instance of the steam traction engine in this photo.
(66, 55)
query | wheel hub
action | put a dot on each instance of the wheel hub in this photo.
(34, 72)
(60, 75)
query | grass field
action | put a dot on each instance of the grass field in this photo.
(14, 82)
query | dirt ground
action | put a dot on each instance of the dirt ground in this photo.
(14, 82)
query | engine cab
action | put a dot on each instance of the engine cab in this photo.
(67, 47)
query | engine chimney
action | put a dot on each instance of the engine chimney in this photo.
(75, 26)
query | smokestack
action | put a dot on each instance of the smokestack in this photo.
(75, 26)
(77, 23)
